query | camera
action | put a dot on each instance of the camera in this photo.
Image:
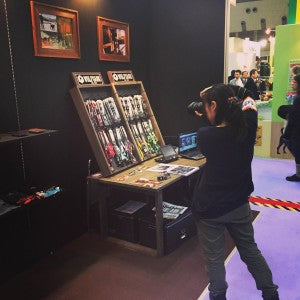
(196, 106)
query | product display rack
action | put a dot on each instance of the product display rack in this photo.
(139, 115)
(104, 122)
(117, 119)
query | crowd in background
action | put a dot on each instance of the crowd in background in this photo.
(251, 81)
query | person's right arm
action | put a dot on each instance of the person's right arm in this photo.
(250, 113)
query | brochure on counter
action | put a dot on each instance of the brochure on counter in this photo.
(174, 169)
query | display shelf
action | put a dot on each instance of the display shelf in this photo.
(147, 136)
(21, 135)
(107, 131)
(122, 132)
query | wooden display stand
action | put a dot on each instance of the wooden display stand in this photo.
(91, 86)
(124, 85)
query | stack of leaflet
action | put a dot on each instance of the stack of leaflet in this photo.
(172, 211)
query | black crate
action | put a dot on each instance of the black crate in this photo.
(175, 231)
(123, 224)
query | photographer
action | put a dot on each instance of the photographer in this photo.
(220, 198)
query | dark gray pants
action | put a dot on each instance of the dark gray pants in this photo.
(239, 225)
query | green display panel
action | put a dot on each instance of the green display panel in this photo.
(287, 48)
(292, 11)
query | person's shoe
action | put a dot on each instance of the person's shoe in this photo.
(293, 178)
(219, 297)
(275, 297)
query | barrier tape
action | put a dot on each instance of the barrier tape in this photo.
(275, 203)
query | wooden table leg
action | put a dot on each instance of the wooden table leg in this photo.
(88, 203)
(159, 224)
(103, 193)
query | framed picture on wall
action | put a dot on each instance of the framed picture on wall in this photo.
(55, 31)
(113, 40)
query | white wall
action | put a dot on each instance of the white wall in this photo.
(240, 61)
(242, 54)
(271, 10)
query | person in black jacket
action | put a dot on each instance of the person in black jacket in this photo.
(220, 198)
(291, 134)
(251, 84)
(231, 75)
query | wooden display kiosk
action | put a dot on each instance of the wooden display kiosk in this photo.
(117, 117)
(118, 121)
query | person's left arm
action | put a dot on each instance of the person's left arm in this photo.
(250, 113)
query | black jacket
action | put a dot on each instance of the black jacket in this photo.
(226, 180)
(251, 86)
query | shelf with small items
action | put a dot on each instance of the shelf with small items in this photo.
(104, 123)
(140, 118)
(24, 134)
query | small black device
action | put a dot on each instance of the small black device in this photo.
(164, 176)
(168, 154)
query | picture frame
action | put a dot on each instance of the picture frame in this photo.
(55, 31)
(113, 40)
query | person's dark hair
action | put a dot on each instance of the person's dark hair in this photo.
(252, 72)
(232, 72)
(238, 71)
(297, 79)
(240, 92)
(228, 111)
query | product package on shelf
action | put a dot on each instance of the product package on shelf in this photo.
(104, 122)
(111, 133)
(141, 126)
(138, 114)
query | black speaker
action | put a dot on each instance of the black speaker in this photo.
(263, 24)
(283, 20)
(243, 24)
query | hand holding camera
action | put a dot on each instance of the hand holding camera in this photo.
(197, 107)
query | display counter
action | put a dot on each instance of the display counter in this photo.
(99, 189)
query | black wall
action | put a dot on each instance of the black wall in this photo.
(176, 49)
(187, 48)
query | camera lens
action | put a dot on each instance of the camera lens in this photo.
(195, 106)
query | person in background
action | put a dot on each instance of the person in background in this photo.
(237, 79)
(220, 198)
(245, 76)
(291, 134)
(231, 75)
(251, 84)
